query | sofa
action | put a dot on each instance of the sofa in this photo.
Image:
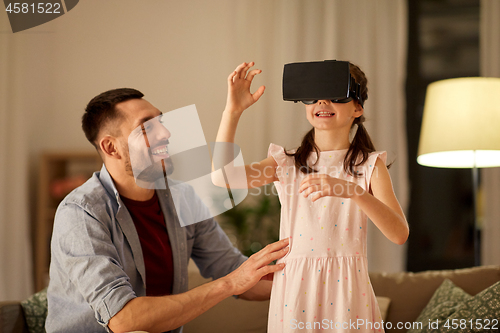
(408, 294)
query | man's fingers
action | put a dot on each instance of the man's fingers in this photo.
(270, 257)
(278, 254)
(270, 269)
(277, 245)
(273, 247)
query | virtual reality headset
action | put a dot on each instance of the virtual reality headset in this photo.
(309, 82)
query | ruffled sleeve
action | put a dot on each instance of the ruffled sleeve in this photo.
(278, 153)
(370, 164)
(282, 170)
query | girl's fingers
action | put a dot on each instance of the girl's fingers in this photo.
(256, 95)
(311, 189)
(252, 73)
(231, 77)
(239, 69)
(317, 196)
(241, 72)
(312, 177)
(306, 184)
(245, 70)
(245, 75)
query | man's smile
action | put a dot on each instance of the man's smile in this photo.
(160, 151)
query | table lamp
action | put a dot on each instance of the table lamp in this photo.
(461, 129)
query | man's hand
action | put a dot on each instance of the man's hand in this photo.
(164, 313)
(257, 267)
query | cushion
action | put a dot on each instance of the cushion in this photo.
(483, 309)
(35, 311)
(410, 292)
(445, 302)
(451, 309)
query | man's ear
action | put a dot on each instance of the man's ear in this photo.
(109, 147)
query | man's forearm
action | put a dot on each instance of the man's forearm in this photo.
(160, 314)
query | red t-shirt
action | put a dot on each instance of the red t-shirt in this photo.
(156, 249)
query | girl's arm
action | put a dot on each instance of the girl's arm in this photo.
(381, 207)
(239, 99)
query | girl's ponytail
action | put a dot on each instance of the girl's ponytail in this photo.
(302, 153)
(361, 146)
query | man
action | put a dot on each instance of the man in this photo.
(119, 255)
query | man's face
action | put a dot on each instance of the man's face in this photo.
(144, 141)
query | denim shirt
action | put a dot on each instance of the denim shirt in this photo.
(97, 264)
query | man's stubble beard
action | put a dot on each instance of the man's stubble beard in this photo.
(152, 172)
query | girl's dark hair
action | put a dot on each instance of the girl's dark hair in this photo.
(101, 110)
(361, 145)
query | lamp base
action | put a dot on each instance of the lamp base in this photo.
(477, 227)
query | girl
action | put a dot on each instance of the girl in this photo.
(327, 188)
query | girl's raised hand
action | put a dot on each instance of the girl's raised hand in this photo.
(324, 185)
(239, 96)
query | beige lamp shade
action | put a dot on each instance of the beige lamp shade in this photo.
(461, 124)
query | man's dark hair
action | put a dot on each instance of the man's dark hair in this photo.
(101, 110)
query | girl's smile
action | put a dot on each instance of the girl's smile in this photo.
(324, 113)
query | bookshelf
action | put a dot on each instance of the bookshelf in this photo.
(59, 174)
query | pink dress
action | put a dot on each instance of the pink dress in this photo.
(325, 284)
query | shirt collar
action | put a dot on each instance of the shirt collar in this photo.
(108, 182)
